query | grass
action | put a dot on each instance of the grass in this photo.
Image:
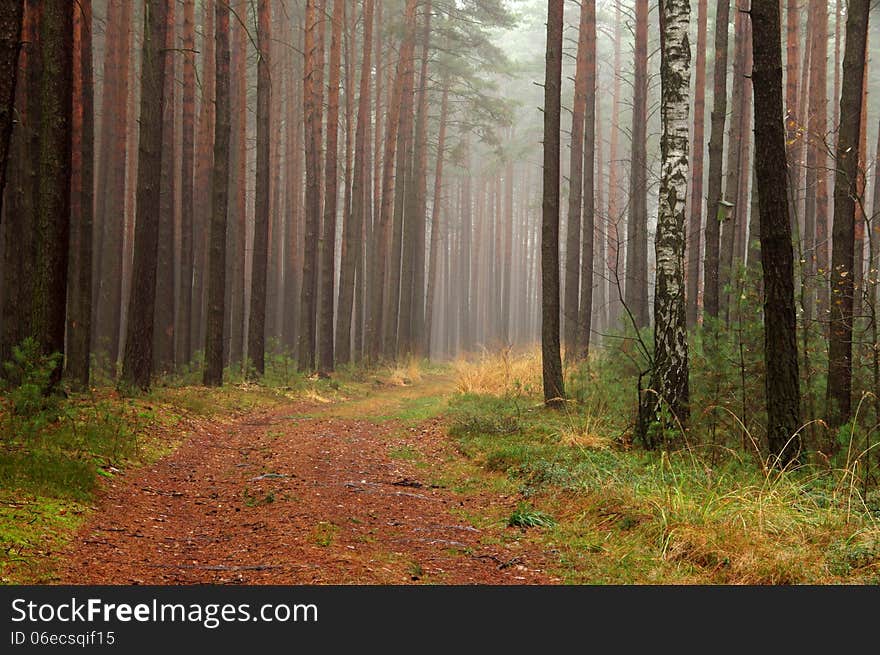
(52, 458)
(615, 514)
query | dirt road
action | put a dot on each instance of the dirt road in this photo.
(304, 494)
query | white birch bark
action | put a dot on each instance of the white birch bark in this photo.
(664, 405)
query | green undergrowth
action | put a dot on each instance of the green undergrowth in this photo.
(611, 513)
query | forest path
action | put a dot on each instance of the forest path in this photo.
(350, 492)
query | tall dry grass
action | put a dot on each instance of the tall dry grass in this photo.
(500, 372)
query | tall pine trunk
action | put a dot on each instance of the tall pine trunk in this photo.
(839, 389)
(259, 275)
(714, 209)
(137, 363)
(570, 306)
(215, 311)
(331, 179)
(360, 196)
(695, 206)
(110, 189)
(79, 313)
(11, 14)
(777, 256)
(312, 108)
(636, 291)
(53, 194)
(433, 252)
(554, 391)
(585, 310)
(187, 191)
(163, 317)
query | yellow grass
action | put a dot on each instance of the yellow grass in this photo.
(405, 372)
(499, 373)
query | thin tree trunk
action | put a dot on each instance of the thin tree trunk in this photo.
(378, 299)
(585, 310)
(736, 137)
(187, 191)
(259, 276)
(233, 339)
(331, 178)
(571, 329)
(636, 291)
(79, 315)
(817, 156)
(163, 328)
(401, 225)
(612, 220)
(714, 212)
(777, 256)
(554, 391)
(11, 14)
(312, 107)
(360, 196)
(420, 195)
(695, 222)
(204, 170)
(215, 314)
(111, 184)
(436, 207)
(839, 389)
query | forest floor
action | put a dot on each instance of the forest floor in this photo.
(417, 474)
(306, 492)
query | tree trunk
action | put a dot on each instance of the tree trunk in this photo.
(714, 210)
(312, 107)
(777, 257)
(204, 170)
(570, 306)
(585, 310)
(111, 184)
(257, 326)
(664, 406)
(636, 291)
(792, 61)
(615, 213)
(403, 179)
(187, 191)
(433, 253)
(419, 198)
(53, 195)
(215, 314)
(138, 358)
(736, 137)
(79, 314)
(839, 390)
(331, 178)
(382, 231)
(360, 196)
(21, 220)
(163, 327)
(233, 339)
(554, 391)
(817, 163)
(11, 13)
(695, 222)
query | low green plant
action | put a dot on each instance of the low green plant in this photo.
(526, 516)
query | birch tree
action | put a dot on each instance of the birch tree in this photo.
(664, 405)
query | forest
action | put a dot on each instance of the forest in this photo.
(440, 291)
